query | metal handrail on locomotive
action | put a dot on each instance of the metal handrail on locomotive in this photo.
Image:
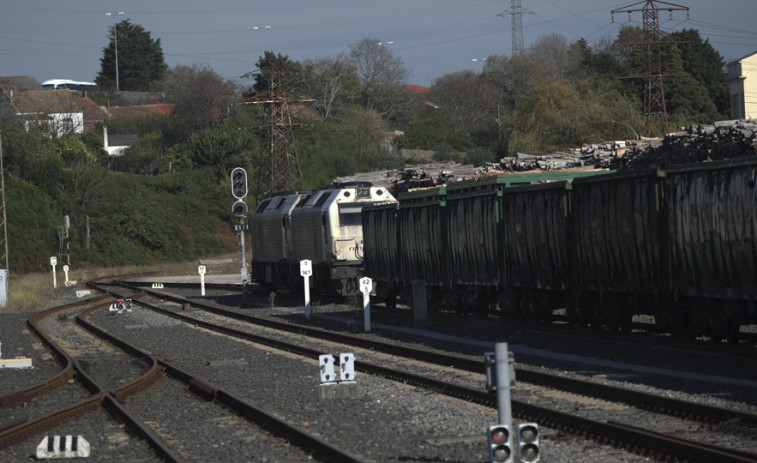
(323, 226)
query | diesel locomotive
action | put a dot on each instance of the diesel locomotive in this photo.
(323, 226)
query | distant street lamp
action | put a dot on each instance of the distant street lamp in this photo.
(476, 60)
(116, 38)
(262, 40)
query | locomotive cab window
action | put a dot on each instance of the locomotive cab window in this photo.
(349, 214)
(262, 205)
(322, 199)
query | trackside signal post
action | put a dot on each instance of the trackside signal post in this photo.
(239, 209)
(201, 270)
(54, 263)
(366, 285)
(306, 269)
(502, 441)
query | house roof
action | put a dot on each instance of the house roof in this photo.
(18, 83)
(165, 108)
(92, 112)
(45, 101)
(417, 88)
(128, 112)
(746, 56)
(121, 140)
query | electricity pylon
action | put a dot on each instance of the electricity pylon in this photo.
(655, 112)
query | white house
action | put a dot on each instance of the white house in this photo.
(57, 111)
(742, 79)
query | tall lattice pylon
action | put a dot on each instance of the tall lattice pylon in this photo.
(516, 18)
(284, 171)
(655, 111)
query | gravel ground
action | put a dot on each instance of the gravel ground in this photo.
(387, 421)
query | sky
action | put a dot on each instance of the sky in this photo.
(64, 39)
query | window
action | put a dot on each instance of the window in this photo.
(349, 214)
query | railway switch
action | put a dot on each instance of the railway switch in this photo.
(499, 439)
(528, 442)
(63, 447)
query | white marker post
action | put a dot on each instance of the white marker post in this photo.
(54, 262)
(365, 288)
(65, 271)
(201, 271)
(306, 269)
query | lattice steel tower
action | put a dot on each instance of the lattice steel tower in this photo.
(282, 155)
(516, 15)
(655, 112)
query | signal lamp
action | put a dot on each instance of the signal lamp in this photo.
(498, 438)
(528, 442)
(239, 208)
(239, 182)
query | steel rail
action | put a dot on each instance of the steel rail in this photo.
(17, 398)
(265, 419)
(208, 391)
(100, 398)
(659, 404)
(628, 437)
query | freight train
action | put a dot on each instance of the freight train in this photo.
(679, 244)
(322, 226)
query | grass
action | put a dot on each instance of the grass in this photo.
(28, 292)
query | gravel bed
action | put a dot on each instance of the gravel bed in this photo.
(109, 366)
(420, 425)
(570, 403)
(390, 421)
(474, 336)
(18, 342)
(200, 431)
(108, 440)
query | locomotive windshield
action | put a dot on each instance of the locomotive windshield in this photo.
(349, 214)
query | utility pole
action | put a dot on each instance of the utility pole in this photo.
(4, 232)
(3, 217)
(282, 154)
(655, 112)
(516, 18)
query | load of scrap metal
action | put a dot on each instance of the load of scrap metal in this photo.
(695, 143)
(413, 177)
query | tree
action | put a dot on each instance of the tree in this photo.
(692, 70)
(381, 75)
(706, 65)
(271, 62)
(464, 115)
(201, 97)
(555, 53)
(140, 59)
(333, 82)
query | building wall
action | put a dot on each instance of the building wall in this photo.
(56, 124)
(742, 78)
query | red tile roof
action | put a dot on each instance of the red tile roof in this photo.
(417, 88)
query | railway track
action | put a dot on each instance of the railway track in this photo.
(421, 368)
(626, 436)
(117, 376)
